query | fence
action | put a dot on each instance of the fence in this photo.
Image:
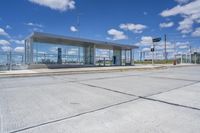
(12, 61)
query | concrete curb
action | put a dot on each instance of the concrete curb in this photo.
(78, 71)
(5, 75)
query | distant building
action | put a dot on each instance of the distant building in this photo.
(55, 51)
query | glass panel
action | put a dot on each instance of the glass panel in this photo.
(104, 57)
(128, 56)
(45, 53)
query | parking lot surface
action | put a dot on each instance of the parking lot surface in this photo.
(151, 101)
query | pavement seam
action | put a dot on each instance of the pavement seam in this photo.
(176, 88)
(73, 116)
(151, 99)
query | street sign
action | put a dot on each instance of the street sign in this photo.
(156, 39)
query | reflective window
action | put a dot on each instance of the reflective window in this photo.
(45, 53)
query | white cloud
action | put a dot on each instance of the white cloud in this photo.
(3, 32)
(117, 35)
(188, 9)
(34, 25)
(182, 45)
(6, 48)
(166, 25)
(196, 33)
(190, 12)
(18, 41)
(136, 28)
(146, 40)
(185, 26)
(19, 49)
(61, 5)
(4, 42)
(182, 1)
(73, 29)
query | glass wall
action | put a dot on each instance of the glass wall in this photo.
(45, 53)
(126, 57)
(104, 57)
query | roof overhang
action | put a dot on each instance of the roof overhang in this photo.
(65, 40)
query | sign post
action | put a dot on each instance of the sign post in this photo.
(153, 47)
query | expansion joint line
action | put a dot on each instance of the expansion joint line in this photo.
(73, 116)
(151, 99)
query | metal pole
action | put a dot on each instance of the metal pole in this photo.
(153, 55)
(10, 60)
(78, 24)
(165, 48)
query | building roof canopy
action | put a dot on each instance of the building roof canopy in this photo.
(59, 39)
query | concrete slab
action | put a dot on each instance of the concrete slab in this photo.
(68, 103)
(134, 117)
(138, 85)
(189, 96)
(185, 73)
(27, 106)
(29, 82)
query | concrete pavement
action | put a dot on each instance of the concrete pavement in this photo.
(153, 101)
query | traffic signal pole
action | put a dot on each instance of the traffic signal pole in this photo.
(153, 49)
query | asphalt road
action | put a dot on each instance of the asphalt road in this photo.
(153, 101)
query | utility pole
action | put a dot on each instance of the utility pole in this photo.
(79, 24)
(165, 36)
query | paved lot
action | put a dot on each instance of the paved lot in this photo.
(153, 101)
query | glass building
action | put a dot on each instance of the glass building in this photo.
(56, 50)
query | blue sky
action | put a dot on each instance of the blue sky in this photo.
(132, 22)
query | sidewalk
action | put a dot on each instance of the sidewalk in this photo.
(65, 71)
